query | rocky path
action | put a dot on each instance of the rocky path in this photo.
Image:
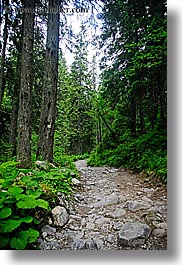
(112, 209)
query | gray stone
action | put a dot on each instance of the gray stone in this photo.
(98, 243)
(162, 210)
(146, 180)
(110, 238)
(80, 235)
(146, 199)
(134, 206)
(101, 220)
(158, 232)
(162, 225)
(49, 245)
(44, 234)
(116, 214)
(48, 229)
(133, 234)
(60, 216)
(122, 198)
(76, 181)
(107, 200)
(148, 190)
(79, 197)
(139, 193)
(90, 226)
(80, 244)
(117, 225)
(90, 244)
(42, 165)
(73, 174)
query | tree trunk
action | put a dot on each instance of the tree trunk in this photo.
(3, 56)
(25, 99)
(141, 115)
(48, 110)
(14, 110)
(133, 115)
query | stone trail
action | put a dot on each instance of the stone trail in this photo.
(112, 209)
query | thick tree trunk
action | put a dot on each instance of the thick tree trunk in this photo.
(3, 56)
(25, 99)
(14, 110)
(48, 110)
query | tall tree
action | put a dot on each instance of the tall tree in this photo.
(48, 109)
(16, 38)
(25, 100)
(3, 55)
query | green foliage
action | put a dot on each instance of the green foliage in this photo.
(133, 87)
(146, 153)
(75, 124)
(15, 199)
(23, 194)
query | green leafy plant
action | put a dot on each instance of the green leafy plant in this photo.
(20, 198)
(24, 193)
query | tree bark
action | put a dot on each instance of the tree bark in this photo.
(48, 110)
(25, 99)
(14, 110)
(3, 56)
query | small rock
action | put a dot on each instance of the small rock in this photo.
(146, 180)
(79, 197)
(48, 229)
(162, 225)
(134, 206)
(111, 238)
(132, 234)
(42, 165)
(148, 190)
(146, 199)
(108, 200)
(116, 214)
(78, 244)
(101, 220)
(139, 193)
(83, 222)
(44, 234)
(90, 245)
(160, 232)
(90, 226)
(80, 235)
(60, 216)
(98, 243)
(76, 181)
(73, 174)
(162, 210)
(117, 225)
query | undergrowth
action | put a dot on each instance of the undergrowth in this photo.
(25, 196)
(141, 154)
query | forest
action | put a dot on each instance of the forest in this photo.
(88, 81)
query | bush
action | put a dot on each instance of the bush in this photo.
(25, 195)
(146, 153)
(18, 206)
